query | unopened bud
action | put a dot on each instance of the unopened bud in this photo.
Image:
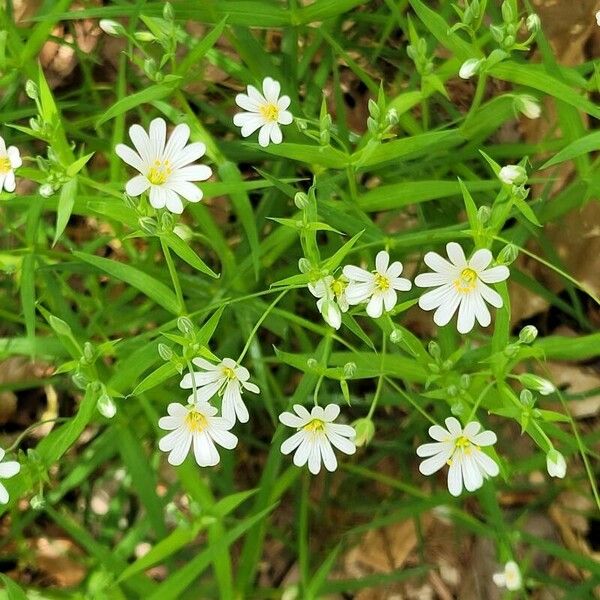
(111, 27)
(465, 381)
(556, 464)
(144, 36)
(508, 254)
(533, 23)
(434, 350)
(537, 383)
(185, 325)
(31, 89)
(365, 430)
(512, 175)
(37, 502)
(165, 352)
(304, 265)
(483, 214)
(528, 105)
(349, 370)
(526, 398)
(528, 334)
(106, 406)
(312, 363)
(469, 68)
(88, 352)
(301, 200)
(148, 225)
(396, 336)
(46, 190)
(392, 117)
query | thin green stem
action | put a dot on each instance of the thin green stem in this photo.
(174, 276)
(380, 380)
(259, 323)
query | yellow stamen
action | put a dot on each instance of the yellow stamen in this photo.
(382, 282)
(466, 445)
(159, 172)
(338, 286)
(5, 165)
(228, 372)
(466, 282)
(314, 425)
(269, 111)
(195, 421)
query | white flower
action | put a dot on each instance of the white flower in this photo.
(164, 165)
(266, 112)
(556, 464)
(227, 379)
(459, 448)
(510, 578)
(195, 423)
(528, 106)
(316, 434)
(469, 68)
(512, 175)
(378, 287)
(461, 285)
(598, 18)
(7, 469)
(332, 301)
(10, 159)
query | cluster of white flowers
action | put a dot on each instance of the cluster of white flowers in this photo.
(197, 423)
(167, 169)
(460, 285)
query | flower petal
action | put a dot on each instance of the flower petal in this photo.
(137, 185)
(177, 141)
(480, 260)
(438, 263)
(382, 260)
(264, 135)
(357, 274)
(455, 477)
(285, 117)
(435, 462)
(456, 254)
(247, 103)
(495, 274)
(271, 89)
(158, 134)
(292, 442)
(489, 295)
(126, 154)
(276, 135)
(375, 306)
(466, 314)
(205, 451)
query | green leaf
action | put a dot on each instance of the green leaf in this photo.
(55, 444)
(75, 167)
(155, 378)
(201, 48)
(150, 286)
(583, 145)
(536, 76)
(13, 591)
(155, 92)
(526, 210)
(182, 249)
(324, 156)
(66, 202)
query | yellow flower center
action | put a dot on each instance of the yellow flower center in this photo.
(269, 111)
(338, 286)
(159, 172)
(466, 445)
(195, 421)
(382, 282)
(466, 282)
(314, 425)
(5, 165)
(228, 372)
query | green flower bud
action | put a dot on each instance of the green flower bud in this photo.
(528, 334)
(365, 430)
(301, 200)
(434, 350)
(513, 175)
(526, 398)
(31, 89)
(148, 225)
(185, 325)
(396, 336)
(304, 265)
(483, 214)
(37, 502)
(537, 383)
(111, 27)
(508, 254)
(144, 36)
(312, 363)
(165, 352)
(556, 464)
(533, 23)
(349, 370)
(106, 407)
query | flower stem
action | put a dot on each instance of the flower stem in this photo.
(174, 276)
(380, 380)
(259, 323)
